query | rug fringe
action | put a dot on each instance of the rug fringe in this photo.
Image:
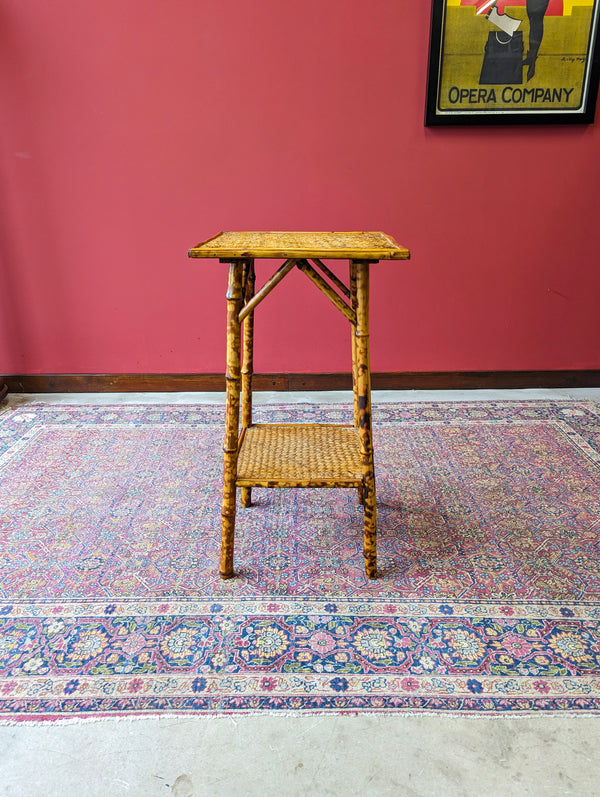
(233, 717)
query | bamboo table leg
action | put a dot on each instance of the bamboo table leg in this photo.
(230, 446)
(354, 305)
(363, 378)
(248, 364)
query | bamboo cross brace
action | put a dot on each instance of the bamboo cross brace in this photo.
(326, 288)
(267, 288)
(333, 277)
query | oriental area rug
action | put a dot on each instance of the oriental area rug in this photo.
(488, 600)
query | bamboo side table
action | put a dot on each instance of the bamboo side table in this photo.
(297, 455)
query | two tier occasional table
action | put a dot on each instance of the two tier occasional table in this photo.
(297, 455)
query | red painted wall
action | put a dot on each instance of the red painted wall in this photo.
(132, 130)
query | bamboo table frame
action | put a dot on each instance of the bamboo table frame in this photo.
(297, 455)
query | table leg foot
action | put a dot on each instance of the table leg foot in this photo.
(370, 529)
(371, 569)
(228, 574)
(227, 542)
(370, 549)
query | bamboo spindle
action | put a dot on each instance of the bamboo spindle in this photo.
(363, 378)
(248, 364)
(232, 418)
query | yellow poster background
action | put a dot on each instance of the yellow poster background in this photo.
(561, 65)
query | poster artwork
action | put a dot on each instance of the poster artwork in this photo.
(513, 57)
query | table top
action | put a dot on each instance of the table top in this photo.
(326, 245)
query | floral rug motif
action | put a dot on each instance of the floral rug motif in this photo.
(488, 599)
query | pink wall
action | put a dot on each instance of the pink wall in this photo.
(132, 130)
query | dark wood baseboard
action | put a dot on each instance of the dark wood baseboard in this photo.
(431, 380)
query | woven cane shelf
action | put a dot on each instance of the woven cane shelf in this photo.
(299, 455)
(329, 245)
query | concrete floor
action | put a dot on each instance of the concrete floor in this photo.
(422, 756)
(410, 756)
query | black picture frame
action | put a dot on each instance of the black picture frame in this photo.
(563, 88)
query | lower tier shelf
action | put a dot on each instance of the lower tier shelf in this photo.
(299, 455)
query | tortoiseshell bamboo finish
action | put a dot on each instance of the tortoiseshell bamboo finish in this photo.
(363, 392)
(248, 363)
(293, 455)
(232, 416)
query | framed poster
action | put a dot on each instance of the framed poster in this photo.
(511, 61)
